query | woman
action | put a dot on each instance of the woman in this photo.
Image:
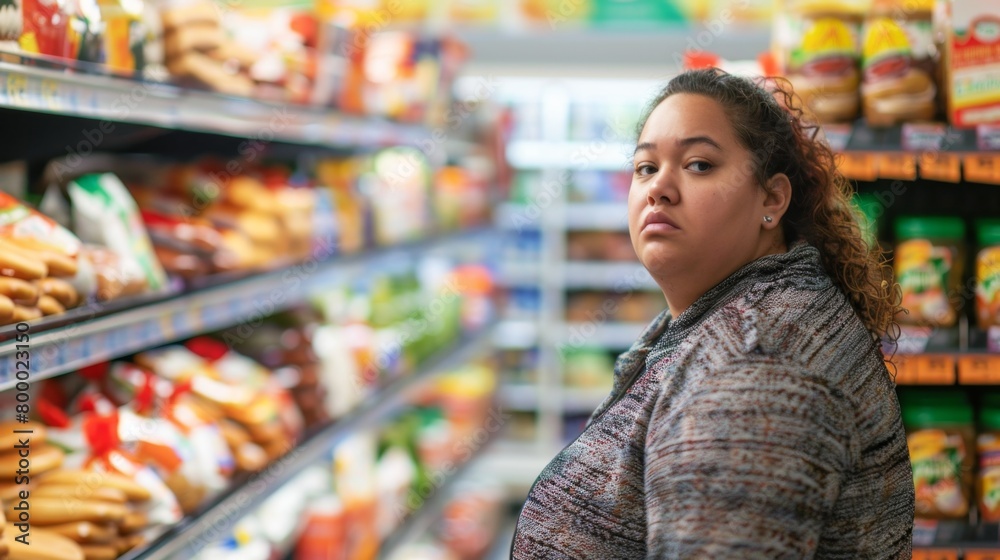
(755, 417)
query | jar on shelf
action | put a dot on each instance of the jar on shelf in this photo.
(988, 274)
(941, 440)
(868, 209)
(928, 263)
(988, 449)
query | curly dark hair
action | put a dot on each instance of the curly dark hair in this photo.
(769, 121)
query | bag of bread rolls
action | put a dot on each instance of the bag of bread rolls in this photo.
(99, 460)
(45, 545)
(37, 238)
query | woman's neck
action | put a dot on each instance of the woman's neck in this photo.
(681, 292)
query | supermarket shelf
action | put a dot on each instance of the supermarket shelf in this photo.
(572, 401)
(516, 335)
(612, 336)
(97, 337)
(517, 217)
(515, 466)
(847, 138)
(519, 274)
(519, 397)
(113, 99)
(617, 276)
(597, 216)
(570, 51)
(192, 534)
(539, 154)
(583, 401)
(954, 539)
(420, 523)
(579, 216)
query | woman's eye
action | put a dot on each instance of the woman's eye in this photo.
(645, 169)
(700, 166)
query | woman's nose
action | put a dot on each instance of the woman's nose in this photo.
(663, 190)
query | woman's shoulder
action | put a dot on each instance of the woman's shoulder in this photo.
(812, 331)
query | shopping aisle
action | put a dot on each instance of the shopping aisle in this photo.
(337, 280)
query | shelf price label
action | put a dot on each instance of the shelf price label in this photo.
(988, 137)
(936, 370)
(897, 166)
(17, 90)
(935, 554)
(941, 166)
(979, 370)
(923, 136)
(51, 97)
(859, 166)
(982, 555)
(905, 369)
(982, 168)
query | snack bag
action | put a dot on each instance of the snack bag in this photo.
(241, 370)
(253, 410)
(104, 213)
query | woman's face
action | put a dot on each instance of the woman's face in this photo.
(695, 209)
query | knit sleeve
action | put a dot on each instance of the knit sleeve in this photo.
(744, 461)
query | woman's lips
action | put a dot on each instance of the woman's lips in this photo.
(659, 223)
(660, 227)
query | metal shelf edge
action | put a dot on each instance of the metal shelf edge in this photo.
(168, 106)
(58, 351)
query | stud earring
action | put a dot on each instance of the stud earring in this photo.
(768, 219)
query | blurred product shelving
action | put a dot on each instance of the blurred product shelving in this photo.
(338, 279)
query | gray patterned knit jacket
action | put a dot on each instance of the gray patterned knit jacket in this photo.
(760, 423)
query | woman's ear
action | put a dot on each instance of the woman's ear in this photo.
(778, 195)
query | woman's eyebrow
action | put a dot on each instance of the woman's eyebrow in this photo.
(683, 142)
(699, 140)
(644, 146)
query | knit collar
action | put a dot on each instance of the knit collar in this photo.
(802, 260)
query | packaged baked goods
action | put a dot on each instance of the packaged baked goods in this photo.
(988, 448)
(241, 371)
(255, 410)
(941, 440)
(45, 544)
(988, 274)
(119, 468)
(112, 276)
(197, 51)
(105, 214)
(972, 55)
(899, 63)
(401, 209)
(33, 245)
(928, 262)
(818, 41)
